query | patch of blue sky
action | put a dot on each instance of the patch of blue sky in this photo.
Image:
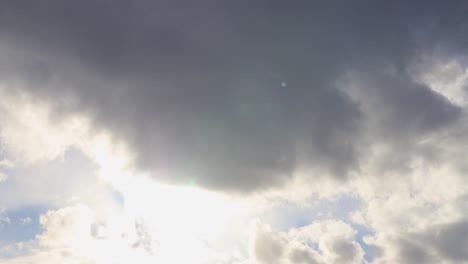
(70, 178)
(11, 250)
(118, 197)
(31, 191)
(287, 215)
(24, 224)
(313, 245)
(44, 182)
(370, 251)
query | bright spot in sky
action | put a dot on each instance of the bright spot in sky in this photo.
(175, 218)
(181, 218)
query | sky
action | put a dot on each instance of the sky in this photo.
(233, 132)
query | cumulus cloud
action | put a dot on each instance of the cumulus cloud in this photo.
(49, 161)
(334, 240)
(67, 237)
(75, 234)
(66, 227)
(416, 217)
(28, 132)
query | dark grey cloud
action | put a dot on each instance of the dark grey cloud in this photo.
(399, 113)
(412, 253)
(346, 250)
(451, 240)
(300, 256)
(443, 242)
(195, 88)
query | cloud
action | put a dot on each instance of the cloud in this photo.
(400, 115)
(52, 162)
(30, 135)
(198, 93)
(3, 176)
(66, 227)
(451, 240)
(4, 219)
(445, 243)
(446, 77)
(26, 221)
(195, 93)
(334, 239)
(67, 237)
(414, 253)
(416, 217)
(75, 234)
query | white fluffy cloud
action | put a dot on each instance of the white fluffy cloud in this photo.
(29, 134)
(70, 236)
(73, 235)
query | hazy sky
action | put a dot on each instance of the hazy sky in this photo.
(233, 132)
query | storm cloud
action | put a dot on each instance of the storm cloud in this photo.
(239, 95)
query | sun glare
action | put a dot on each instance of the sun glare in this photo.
(175, 217)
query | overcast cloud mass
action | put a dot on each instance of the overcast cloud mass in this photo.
(220, 131)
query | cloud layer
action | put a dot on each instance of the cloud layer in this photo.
(288, 104)
(195, 90)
